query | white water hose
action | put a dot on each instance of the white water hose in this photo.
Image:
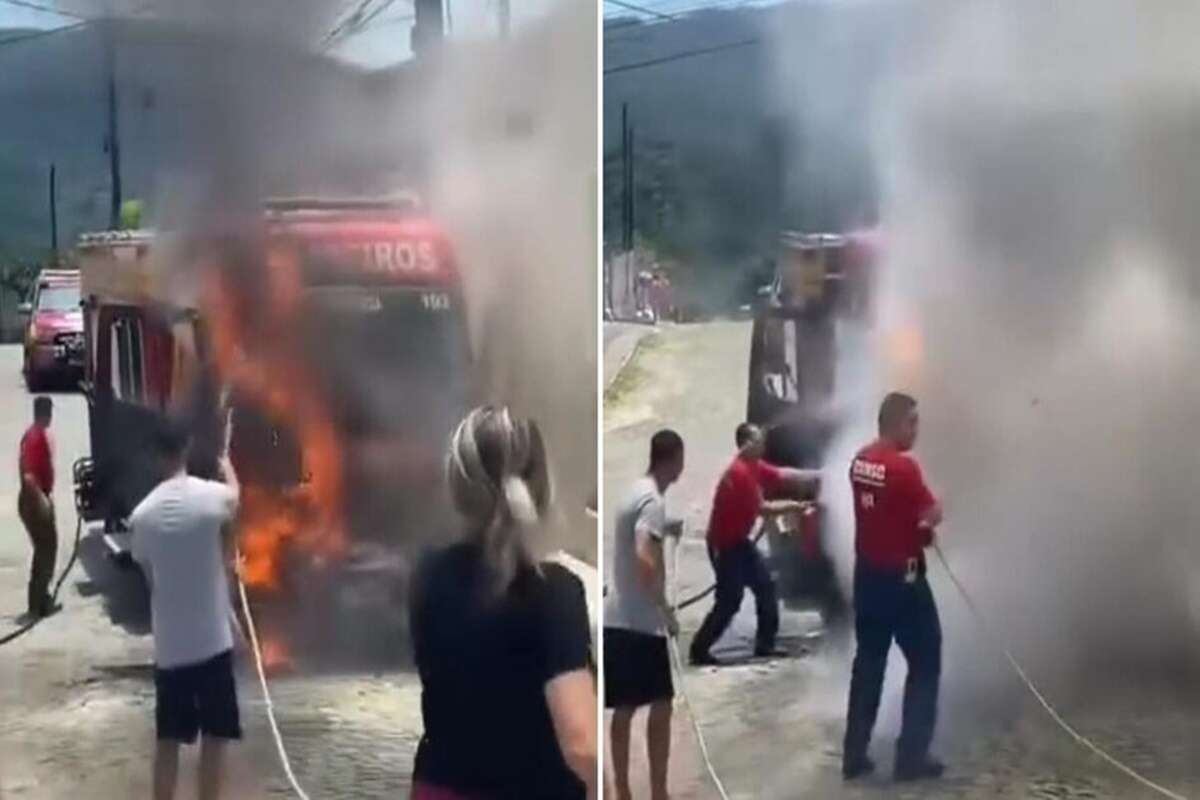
(677, 662)
(262, 679)
(996, 641)
(989, 634)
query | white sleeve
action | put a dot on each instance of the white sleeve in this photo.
(652, 518)
(229, 502)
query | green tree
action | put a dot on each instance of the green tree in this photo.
(131, 215)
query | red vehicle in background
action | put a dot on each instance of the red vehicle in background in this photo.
(53, 341)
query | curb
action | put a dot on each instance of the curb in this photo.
(627, 358)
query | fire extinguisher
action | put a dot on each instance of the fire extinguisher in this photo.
(810, 530)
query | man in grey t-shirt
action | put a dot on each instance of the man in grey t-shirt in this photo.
(638, 619)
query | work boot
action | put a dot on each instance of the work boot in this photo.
(857, 768)
(772, 651)
(927, 767)
(703, 660)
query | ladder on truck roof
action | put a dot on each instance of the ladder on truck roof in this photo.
(58, 276)
(276, 206)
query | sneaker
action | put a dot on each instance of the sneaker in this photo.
(927, 768)
(703, 660)
(858, 768)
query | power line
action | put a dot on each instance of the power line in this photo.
(678, 56)
(74, 26)
(347, 22)
(367, 23)
(680, 15)
(40, 7)
(641, 9)
(405, 18)
(25, 37)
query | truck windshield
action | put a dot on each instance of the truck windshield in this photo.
(396, 359)
(58, 298)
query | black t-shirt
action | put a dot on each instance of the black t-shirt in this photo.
(484, 663)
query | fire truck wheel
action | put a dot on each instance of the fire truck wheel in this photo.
(34, 381)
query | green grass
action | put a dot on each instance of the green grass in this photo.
(633, 374)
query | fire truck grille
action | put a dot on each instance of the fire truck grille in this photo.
(71, 341)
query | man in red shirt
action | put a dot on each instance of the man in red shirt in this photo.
(36, 508)
(895, 516)
(737, 505)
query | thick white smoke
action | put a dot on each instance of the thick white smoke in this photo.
(513, 176)
(1039, 297)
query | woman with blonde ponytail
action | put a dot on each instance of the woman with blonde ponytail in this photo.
(501, 638)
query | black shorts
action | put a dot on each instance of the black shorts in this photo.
(197, 698)
(637, 669)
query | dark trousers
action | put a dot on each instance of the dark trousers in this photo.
(739, 568)
(886, 608)
(38, 518)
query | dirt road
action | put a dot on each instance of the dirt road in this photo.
(774, 729)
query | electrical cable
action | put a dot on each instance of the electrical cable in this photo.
(678, 15)
(25, 37)
(44, 8)
(653, 62)
(618, 4)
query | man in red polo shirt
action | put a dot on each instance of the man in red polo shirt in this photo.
(36, 509)
(737, 505)
(895, 516)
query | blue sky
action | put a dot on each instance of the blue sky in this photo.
(386, 41)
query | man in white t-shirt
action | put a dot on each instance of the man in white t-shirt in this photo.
(638, 618)
(182, 539)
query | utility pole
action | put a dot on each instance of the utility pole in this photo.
(629, 237)
(53, 215)
(429, 26)
(112, 141)
(503, 15)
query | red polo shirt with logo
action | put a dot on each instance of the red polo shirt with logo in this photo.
(738, 500)
(890, 497)
(35, 458)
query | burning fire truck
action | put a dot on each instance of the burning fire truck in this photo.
(822, 281)
(327, 343)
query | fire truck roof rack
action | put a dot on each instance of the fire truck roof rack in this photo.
(104, 238)
(58, 275)
(812, 241)
(288, 205)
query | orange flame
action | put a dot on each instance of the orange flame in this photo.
(254, 347)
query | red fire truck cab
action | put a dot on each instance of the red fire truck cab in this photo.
(375, 326)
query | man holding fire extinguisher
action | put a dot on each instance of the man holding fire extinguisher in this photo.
(737, 505)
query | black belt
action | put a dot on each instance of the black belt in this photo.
(908, 572)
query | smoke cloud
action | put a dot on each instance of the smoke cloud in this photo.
(224, 106)
(1039, 296)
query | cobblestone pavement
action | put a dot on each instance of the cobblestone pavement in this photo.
(774, 728)
(77, 692)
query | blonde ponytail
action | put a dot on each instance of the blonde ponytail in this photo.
(498, 477)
